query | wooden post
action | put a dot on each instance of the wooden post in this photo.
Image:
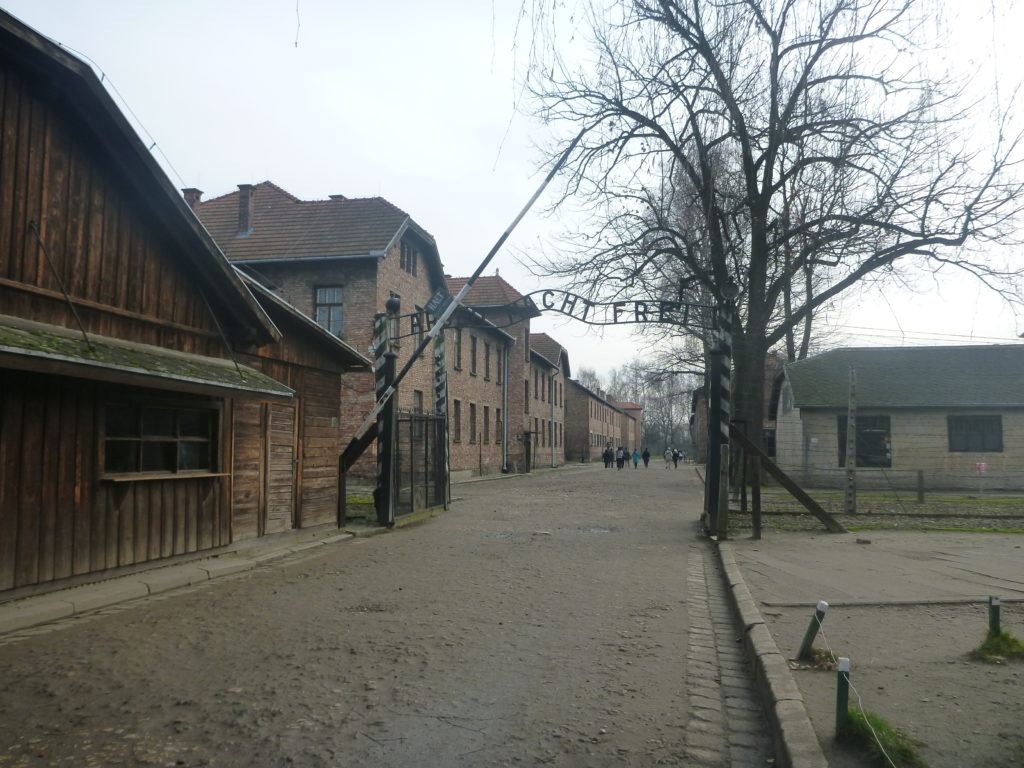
(755, 493)
(723, 495)
(920, 486)
(850, 504)
(843, 697)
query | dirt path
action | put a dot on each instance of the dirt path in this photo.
(542, 621)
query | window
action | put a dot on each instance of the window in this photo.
(536, 430)
(456, 421)
(409, 259)
(472, 355)
(874, 445)
(327, 308)
(526, 395)
(497, 426)
(472, 422)
(417, 401)
(536, 387)
(158, 439)
(543, 432)
(487, 361)
(543, 386)
(458, 349)
(416, 324)
(487, 425)
(975, 434)
(500, 355)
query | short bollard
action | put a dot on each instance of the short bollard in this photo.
(993, 616)
(843, 697)
(812, 630)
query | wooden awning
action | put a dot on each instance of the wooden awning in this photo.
(31, 346)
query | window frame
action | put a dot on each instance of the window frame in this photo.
(458, 349)
(472, 355)
(339, 305)
(456, 421)
(472, 423)
(863, 420)
(968, 437)
(213, 408)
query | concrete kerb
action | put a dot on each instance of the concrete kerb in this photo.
(795, 740)
(43, 609)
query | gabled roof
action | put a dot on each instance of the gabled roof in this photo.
(912, 377)
(346, 354)
(65, 78)
(285, 228)
(630, 406)
(491, 291)
(550, 350)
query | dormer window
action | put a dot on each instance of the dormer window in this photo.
(409, 259)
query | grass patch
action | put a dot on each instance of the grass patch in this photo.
(999, 647)
(901, 748)
(919, 526)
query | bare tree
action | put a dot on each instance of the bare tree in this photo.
(809, 150)
(588, 378)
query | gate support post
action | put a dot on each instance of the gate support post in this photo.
(385, 495)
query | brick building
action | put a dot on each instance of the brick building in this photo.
(477, 359)
(632, 425)
(592, 423)
(337, 261)
(549, 370)
(496, 300)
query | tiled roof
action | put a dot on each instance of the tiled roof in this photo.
(284, 227)
(912, 377)
(546, 347)
(487, 291)
(631, 406)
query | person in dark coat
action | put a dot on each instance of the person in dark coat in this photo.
(646, 455)
(675, 458)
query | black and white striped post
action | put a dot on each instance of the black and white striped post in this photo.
(384, 365)
(720, 414)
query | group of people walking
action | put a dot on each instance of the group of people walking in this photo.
(620, 457)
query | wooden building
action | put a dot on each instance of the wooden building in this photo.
(128, 344)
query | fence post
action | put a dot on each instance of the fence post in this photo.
(755, 493)
(850, 500)
(723, 494)
(920, 486)
(993, 616)
(843, 697)
(812, 630)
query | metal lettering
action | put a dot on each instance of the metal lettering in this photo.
(640, 311)
(617, 310)
(545, 299)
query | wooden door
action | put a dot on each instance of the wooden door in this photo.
(279, 509)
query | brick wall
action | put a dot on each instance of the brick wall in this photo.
(546, 420)
(480, 450)
(591, 424)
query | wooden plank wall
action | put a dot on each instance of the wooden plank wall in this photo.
(321, 444)
(124, 274)
(57, 519)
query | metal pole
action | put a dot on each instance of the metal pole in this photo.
(812, 630)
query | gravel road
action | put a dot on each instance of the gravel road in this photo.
(543, 620)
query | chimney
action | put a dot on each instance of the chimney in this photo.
(192, 196)
(337, 197)
(244, 208)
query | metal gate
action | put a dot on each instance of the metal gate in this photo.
(420, 472)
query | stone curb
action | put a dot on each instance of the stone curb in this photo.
(795, 741)
(43, 609)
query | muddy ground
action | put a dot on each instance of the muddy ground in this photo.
(542, 621)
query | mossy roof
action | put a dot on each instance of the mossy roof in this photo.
(978, 376)
(69, 347)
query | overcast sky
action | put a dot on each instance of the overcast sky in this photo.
(416, 101)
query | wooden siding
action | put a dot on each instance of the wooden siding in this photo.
(122, 271)
(58, 519)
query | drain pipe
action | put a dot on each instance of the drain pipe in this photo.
(504, 409)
